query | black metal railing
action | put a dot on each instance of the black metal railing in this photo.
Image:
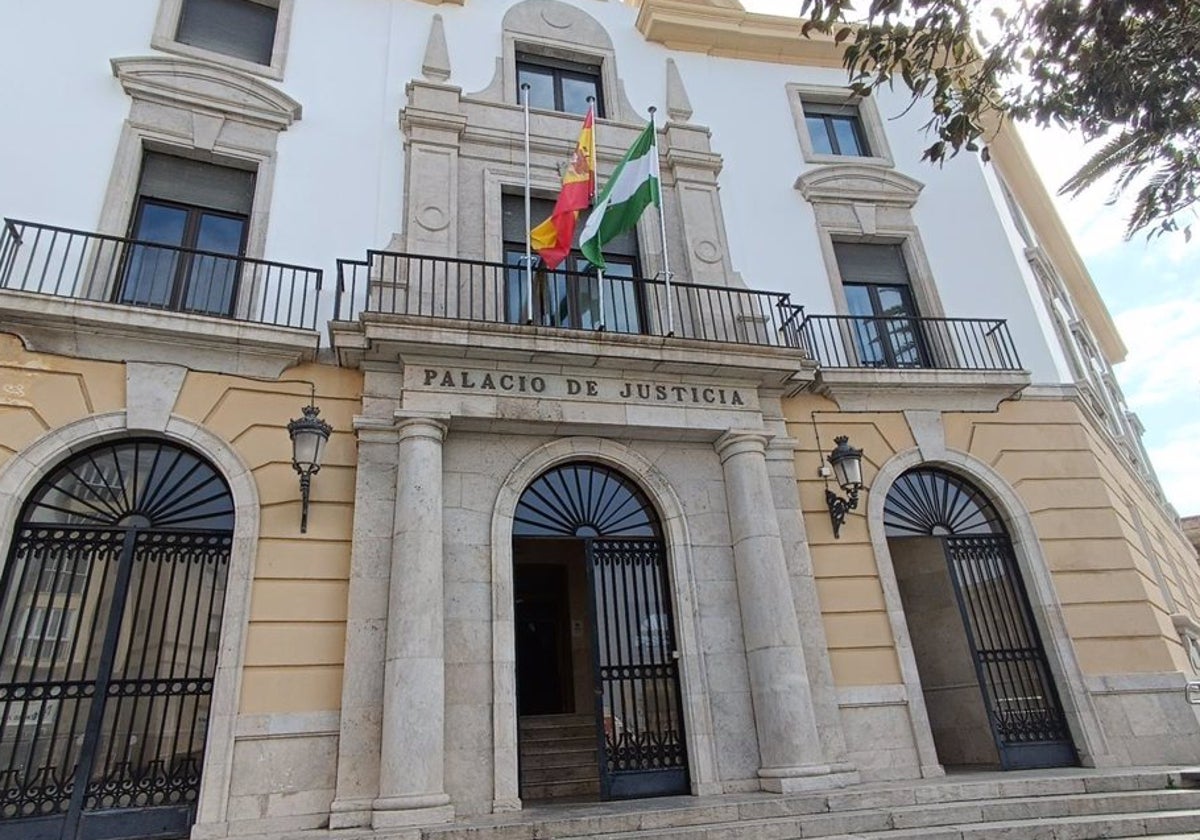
(905, 342)
(472, 290)
(76, 264)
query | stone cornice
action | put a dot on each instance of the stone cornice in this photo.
(111, 332)
(210, 88)
(727, 30)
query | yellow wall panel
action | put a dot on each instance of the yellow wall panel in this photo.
(298, 558)
(865, 666)
(299, 600)
(295, 643)
(850, 595)
(1124, 656)
(858, 630)
(308, 689)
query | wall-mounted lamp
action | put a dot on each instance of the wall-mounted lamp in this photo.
(847, 469)
(309, 435)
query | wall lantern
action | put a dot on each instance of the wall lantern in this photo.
(309, 435)
(847, 469)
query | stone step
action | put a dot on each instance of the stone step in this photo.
(559, 758)
(528, 722)
(996, 819)
(545, 775)
(1074, 802)
(577, 788)
(541, 736)
(553, 746)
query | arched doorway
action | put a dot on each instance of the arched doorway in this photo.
(987, 683)
(110, 616)
(597, 666)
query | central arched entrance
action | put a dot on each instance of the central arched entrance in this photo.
(597, 665)
(986, 680)
(110, 614)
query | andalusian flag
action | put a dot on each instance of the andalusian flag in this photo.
(552, 238)
(632, 188)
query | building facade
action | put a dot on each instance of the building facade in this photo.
(571, 535)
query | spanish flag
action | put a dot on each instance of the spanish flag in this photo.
(552, 238)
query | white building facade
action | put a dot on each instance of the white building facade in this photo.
(573, 538)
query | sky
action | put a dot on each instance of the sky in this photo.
(1150, 286)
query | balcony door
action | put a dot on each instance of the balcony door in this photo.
(189, 228)
(884, 317)
(570, 296)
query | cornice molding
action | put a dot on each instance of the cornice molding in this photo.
(198, 86)
(855, 182)
(724, 28)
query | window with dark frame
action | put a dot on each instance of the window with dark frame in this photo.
(835, 128)
(559, 85)
(569, 296)
(190, 224)
(242, 29)
(884, 316)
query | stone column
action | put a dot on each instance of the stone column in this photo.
(412, 752)
(790, 754)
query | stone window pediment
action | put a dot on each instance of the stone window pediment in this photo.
(194, 85)
(858, 182)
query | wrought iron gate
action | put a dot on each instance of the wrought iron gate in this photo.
(638, 708)
(1023, 706)
(108, 646)
(1018, 689)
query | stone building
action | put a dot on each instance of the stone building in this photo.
(569, 538)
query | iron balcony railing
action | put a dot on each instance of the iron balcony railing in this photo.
(90, 266)
(907, 342)
(492, 292)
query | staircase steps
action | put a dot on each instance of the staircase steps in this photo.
(1035, 805)
(558, 757)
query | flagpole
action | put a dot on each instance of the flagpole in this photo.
(528, 213)
(591, 100)
(662, 224)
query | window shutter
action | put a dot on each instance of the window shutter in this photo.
(239, 28)
(196, 183)
(862, 263)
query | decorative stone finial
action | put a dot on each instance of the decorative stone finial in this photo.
(436, 65)
(679, 107)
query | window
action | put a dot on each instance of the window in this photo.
(243, 29)
(559, 85)
(835, 129)
(884, 317)
(190, 223)
(570, 296)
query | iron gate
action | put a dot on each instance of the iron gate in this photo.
(110, 616)
(638, 707)
(1022, 703)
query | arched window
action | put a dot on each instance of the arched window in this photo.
(928, 502)
(585, 500)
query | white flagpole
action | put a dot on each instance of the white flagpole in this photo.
(662, 223)
(595, 147)
(528, 214)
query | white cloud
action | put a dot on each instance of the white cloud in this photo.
(1178, 463)
(1164, 352)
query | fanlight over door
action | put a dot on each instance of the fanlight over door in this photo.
(110, 616)
(1023, 707)
(639, 715)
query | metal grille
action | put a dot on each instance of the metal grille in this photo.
(927, 502)
(638, 708)
(584, 500)
(1023, 706)
(108, 647)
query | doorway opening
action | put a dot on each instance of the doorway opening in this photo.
(598, 700)
(986, 680)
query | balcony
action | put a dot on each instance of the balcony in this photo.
(911, 362)
(67, 290)
(909, 343)
(426, 305)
